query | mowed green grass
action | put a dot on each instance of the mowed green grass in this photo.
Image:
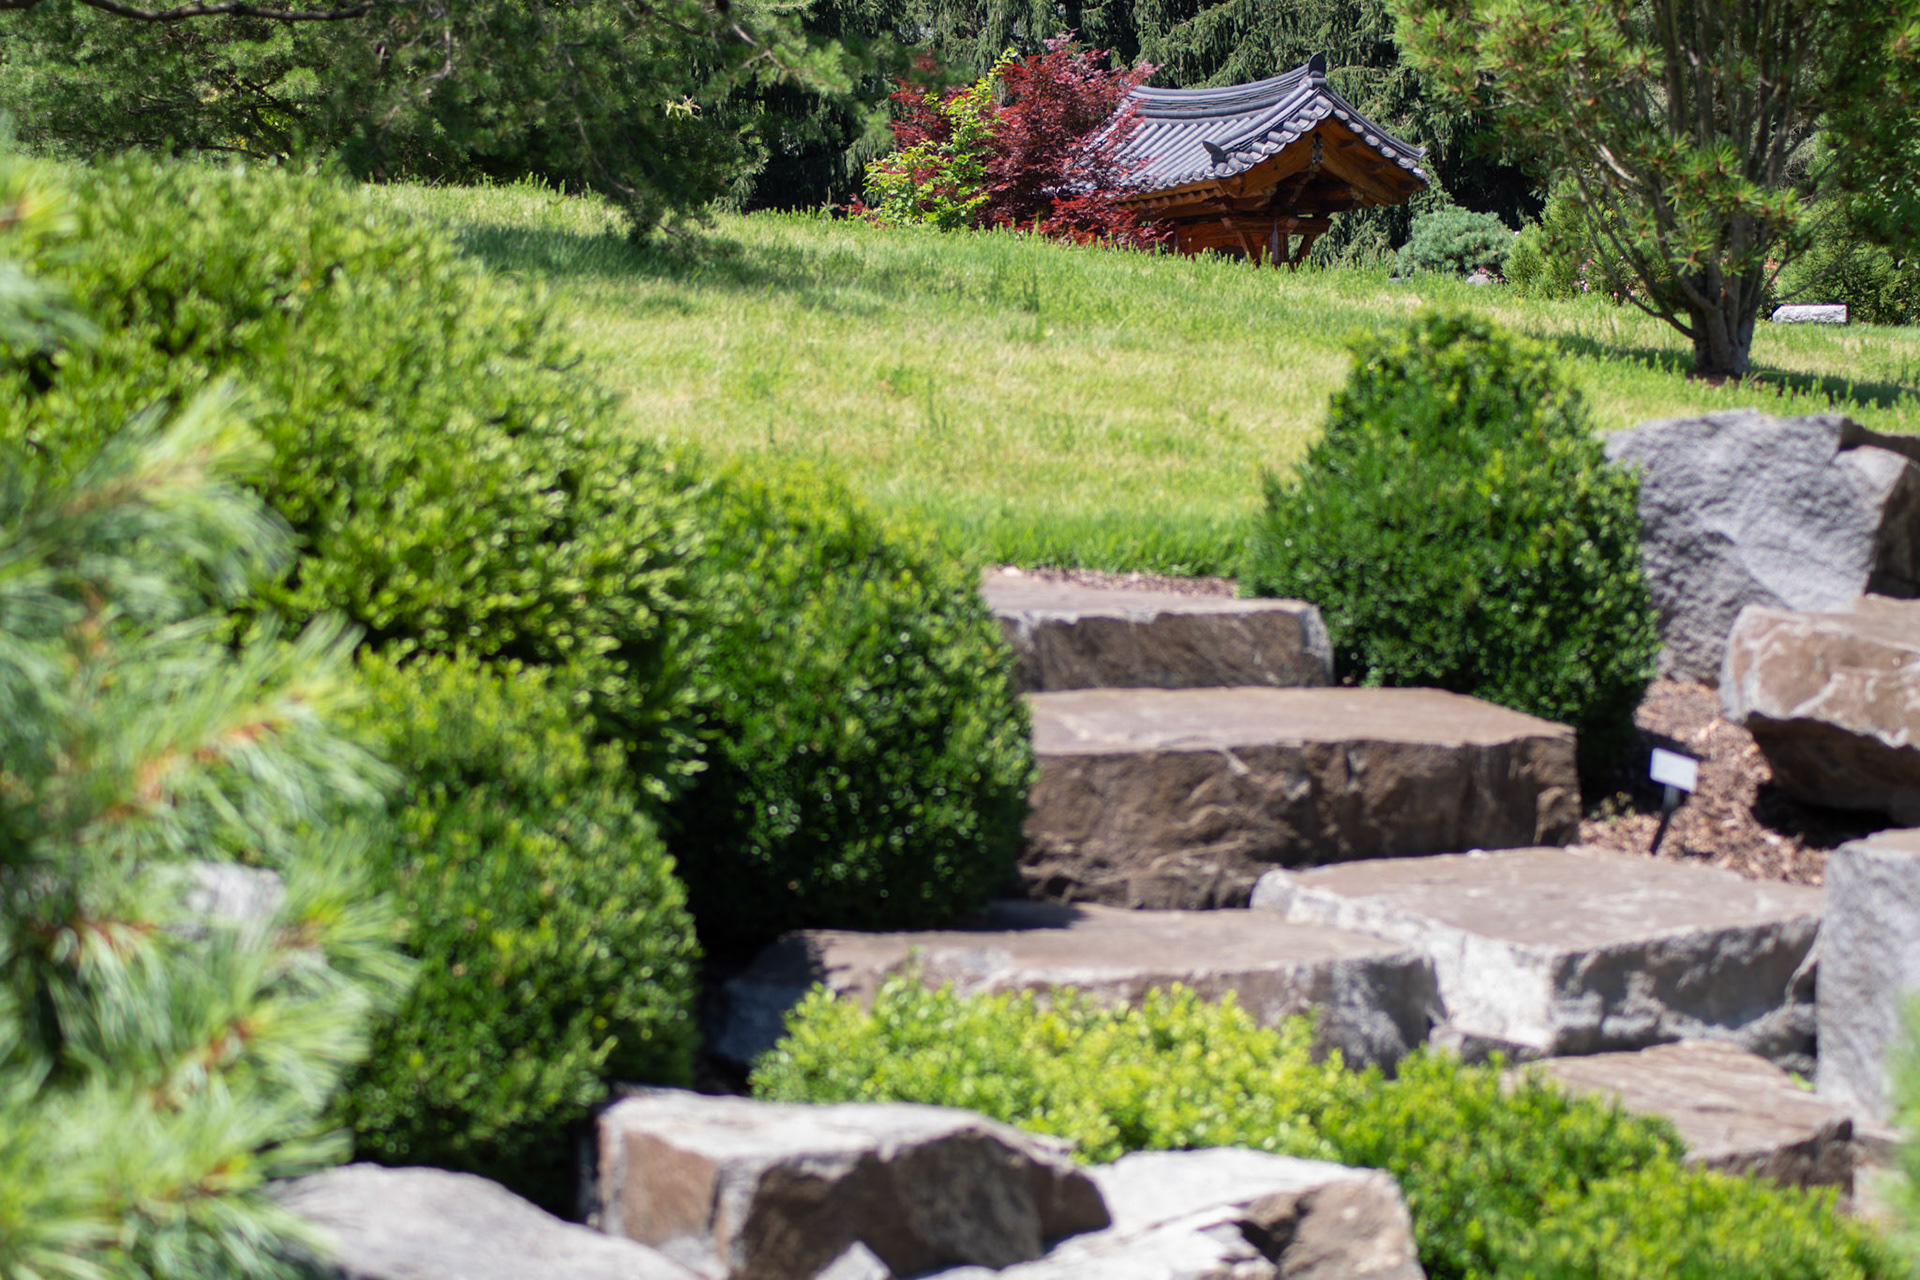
(1043, 404)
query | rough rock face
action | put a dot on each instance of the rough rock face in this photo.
(745, 1190)
(1375, 998)
(1544, 952)
(1182, 798)
(429, 1224)
(1833, 699)
(1869, 966)
(1739, 508)
(1736, 1112)
(1233, 1214)
(1078, 637)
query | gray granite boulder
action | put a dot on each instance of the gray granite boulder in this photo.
(1869, 967)
(1181, 798)
(742, 1190)
(1833, 700)
(1736, 1112)
(1234, 1214)
(1374, 999)
(1545, 952)
(1738, 509)
(1068, 636)
(429, 1224)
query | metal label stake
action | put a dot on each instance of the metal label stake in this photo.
(1680, 775)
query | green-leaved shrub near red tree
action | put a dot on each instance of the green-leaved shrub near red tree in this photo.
(1034, 144)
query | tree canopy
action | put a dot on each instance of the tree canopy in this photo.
(1688, 129)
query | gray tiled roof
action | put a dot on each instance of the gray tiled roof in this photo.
(1245, 123)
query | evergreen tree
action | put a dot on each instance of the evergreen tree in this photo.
(187, 965)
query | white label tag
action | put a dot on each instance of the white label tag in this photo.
(1675, 770)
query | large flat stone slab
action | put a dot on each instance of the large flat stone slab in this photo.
(1182, 798)
(1546, 952)
(1068, 636)
(742, 1190)
(1869, 967)
(1833, 700)
(1234, 1214)
(1375, 999)
(430, 1224)
(1738, 508)
(1736, 1112)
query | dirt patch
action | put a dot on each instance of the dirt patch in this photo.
(1737, 819)
(1128, 581)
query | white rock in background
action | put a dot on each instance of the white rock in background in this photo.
(429, 1224)
(1811, 313)
(1739, 509)
(1869, 966)
(744, 1190)
(1543, 952)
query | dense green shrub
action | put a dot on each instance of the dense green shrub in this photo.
(1176, 1072)
(1556, 257)
(867, 760)
(1504, 1177)
(1459, 527)
(448, 467)
(1457, 241)
(554, 945)
(1878, 285)
(1662, 1222)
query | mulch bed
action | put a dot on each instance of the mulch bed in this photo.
(1737, 819)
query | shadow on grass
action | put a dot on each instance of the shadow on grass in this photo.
(1834, 390)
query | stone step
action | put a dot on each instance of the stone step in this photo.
(1833, 700)
(1069, 636)
(1736, 1112)
(1547, 952)
(1181, 798)
(1375, 998)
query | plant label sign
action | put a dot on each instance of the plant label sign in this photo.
(1672, 769)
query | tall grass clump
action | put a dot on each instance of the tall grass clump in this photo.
(1459, 527)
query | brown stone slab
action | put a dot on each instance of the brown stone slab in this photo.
(1565, 951)
(1182, 798)
(1833, 699)
(1374, 999)
(1736, 1112)
(1070, 636)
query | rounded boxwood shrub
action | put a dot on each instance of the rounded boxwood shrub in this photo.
(555, 950)
(453, 474)
(1457, 241)
(1459, 527)
(866, 757)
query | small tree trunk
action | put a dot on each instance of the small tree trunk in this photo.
(1723, 334)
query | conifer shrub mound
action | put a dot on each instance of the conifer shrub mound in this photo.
(453, 474)
(554, 946)
(1457, 241)
(1506, 1179)
(866, 757)
(1460, 528)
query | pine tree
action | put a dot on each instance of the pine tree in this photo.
(186, 965)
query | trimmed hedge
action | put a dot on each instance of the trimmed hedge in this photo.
(1456, 241)
(867, 758)
(1459, 526)
(453, 474)
(554, 944)
(1506, 1179)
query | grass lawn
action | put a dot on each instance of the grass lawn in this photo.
(1052, 405)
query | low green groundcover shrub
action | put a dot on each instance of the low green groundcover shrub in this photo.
(866, 755)
(1505, 1179)
(554, 945)
(1460, 528)
(1456, 241)
(454, 476)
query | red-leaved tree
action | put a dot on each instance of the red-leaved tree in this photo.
(1052, 163)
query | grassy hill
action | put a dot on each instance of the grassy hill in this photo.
(1053, 405)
